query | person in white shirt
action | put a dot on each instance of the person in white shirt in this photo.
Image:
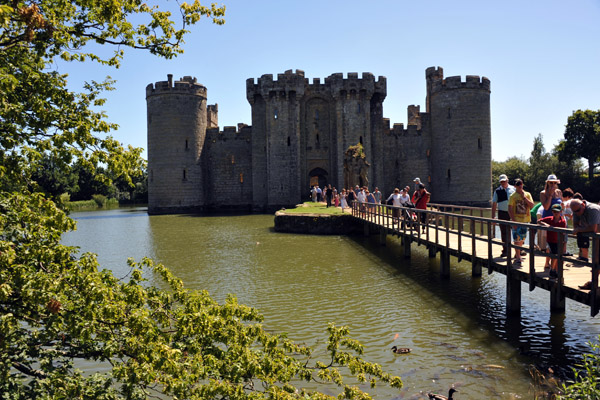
(396, 202)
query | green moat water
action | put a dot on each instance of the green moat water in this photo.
(456, 328)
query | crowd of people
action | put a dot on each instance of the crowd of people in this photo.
(509, 203)
(368, 200)
(555, 209)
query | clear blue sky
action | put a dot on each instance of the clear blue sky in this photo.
(542, 57)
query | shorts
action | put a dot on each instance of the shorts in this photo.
(553, 247)
(519, 233)
(583, 242)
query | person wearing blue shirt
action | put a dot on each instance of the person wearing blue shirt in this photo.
(500, 203)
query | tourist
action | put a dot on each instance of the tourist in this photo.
(328, 195)
(336, 197)
(548, 197)
(500, 202)
(405, 199)
(519, 205)
(377, 195)
(567, 213)
(586, 218)
(420, 199)
(371, 200)
(558, 221)
(396, 203)
(350, 197)
(417, 182)
(344, 199)
(319, 194)
(313, 194)
(551, 195)
(362, 199)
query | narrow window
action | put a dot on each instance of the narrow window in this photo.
(232, 159)
(358, 108)
(479, 143)
(317, 138)
(241, 177)
(184, 174)
(186, 144)
(449, 113)
(449, 176)
(317, 115)
(275, 114)
(360, 140)
(289, 141)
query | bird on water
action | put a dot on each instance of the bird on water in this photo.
(433, 396)
(400, 350)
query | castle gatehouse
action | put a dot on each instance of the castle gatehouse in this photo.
(325, 132)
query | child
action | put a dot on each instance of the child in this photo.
(558, 221)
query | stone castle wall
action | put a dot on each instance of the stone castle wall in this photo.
(302, 129)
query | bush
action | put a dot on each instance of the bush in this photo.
(99, 199)
(586, 383)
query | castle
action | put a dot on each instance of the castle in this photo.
(300, 135)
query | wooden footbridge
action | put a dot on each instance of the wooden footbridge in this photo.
(465, 233)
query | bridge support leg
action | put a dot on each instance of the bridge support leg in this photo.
(406, 243)
(382, 236)
(513, 295)
(432, 251)
(475, 267)
(557, 300)
(444, 263)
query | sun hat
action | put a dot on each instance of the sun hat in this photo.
(503, 178)
(417, 180)
(552, 178)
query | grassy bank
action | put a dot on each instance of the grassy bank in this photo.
(95, 204)
(313, 208)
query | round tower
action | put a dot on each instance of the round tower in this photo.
(461, 150)
(176, 132)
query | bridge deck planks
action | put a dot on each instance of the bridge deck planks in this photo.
(574, 273)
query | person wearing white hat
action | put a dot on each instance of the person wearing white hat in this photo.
(500, 203)
(551, 195)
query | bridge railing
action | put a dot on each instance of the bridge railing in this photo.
(462, 222)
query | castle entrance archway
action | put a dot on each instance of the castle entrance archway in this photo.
(318, 176)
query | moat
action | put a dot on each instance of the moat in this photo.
(456, 328)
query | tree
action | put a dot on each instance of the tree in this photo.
(58, 307)
(582, 139)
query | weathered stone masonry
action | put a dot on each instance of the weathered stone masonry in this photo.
(301, 130)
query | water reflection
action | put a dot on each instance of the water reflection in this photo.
(456, 327)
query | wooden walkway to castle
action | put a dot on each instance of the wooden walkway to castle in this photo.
(465, 233)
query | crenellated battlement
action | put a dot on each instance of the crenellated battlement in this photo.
(353, 84)
(287, 82)
(455, 82)
(186, 85)
(241, 132)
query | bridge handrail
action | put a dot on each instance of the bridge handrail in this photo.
(376, 213)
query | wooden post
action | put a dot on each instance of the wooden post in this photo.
(475, 266)
(460, 234)
(594, 291)
(489, 243)
(445, 263)
(513, 294)
(532, 259)
(557, 297)
(432, 251)
(382, 235)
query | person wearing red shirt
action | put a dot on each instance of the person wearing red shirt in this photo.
(558, 221)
